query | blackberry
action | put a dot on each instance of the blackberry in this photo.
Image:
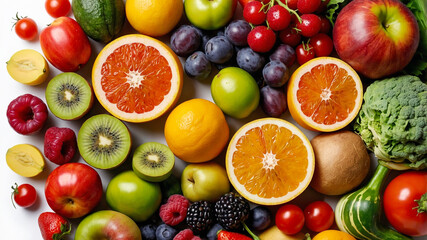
(231, 211)
(200, 216)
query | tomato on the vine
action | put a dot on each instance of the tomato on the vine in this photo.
(319, 216)
(57, 8)
(24, 195)
(253, 13)
(290, 219)
(261, 39)
(405, 203)
(310, 25)
(25, 28)
(278, 18)
(304, 53)
(322, 45)
(290, 36)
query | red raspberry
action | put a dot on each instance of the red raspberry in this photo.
(60, 145)
(175, 210)
(186, 234)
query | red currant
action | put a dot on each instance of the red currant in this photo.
(322, 44)
(304, 53)
(308, 6)
(261, 39)
(253, 13)
(292, 4)
(278, 18)
(290, 36)
(310, 25)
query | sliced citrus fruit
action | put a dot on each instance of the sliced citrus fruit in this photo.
(137, 78)
(324, 94)
(269, 161)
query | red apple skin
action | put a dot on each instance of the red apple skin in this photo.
(72, 190)
(361, 40)
(65, 44)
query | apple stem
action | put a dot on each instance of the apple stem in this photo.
(280, 3)
(255, 237)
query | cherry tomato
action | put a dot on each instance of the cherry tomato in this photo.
(290, 36)
(244, 2)
(278, 18)
(322, 44)
(308, 6)
(57, 8)
(310, 25)
(25, 28)
(405, 201)
(252, 13)
(292, 4)
(261, 39)
(319, 216)
(325, 26)
(304, 53)
(290, 219)
(24, 195)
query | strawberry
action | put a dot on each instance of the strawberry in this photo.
(225, 235)
(53, 226)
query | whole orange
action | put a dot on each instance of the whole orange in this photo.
(154, 17)
(196, 131)
(333, 235)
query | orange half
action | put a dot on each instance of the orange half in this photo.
(269, 161)
(137, 78)
(324, 94)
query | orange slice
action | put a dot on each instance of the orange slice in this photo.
(137, 78)
(324, 94)
(269, 161)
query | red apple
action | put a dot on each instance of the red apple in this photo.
(376, 37)
(72, 190)
(65, 44)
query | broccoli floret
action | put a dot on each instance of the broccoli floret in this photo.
(393, 122)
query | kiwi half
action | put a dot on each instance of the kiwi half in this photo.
(104, 141)
(153, 162)
(69, 96)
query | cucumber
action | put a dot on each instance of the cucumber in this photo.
(101, 20)
(358, 213)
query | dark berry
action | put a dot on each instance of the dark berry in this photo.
(60, 145)
(197, 66)
(259, 218)
(185, 40)
(148, 232)
(200, 216)
(249, 60)
(219, 50)
(165, 232)
(231, 210)
(175, 210)
(285, 54)
(237, 32)
(27, 114)
(275, 74)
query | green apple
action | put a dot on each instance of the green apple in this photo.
(209, 14)
(107, 224)
(235, 91)
(129, 194)
(204, 181)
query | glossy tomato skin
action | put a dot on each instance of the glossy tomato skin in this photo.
(65, 44)
(26, 28)
(24, 195)
(319, 216)
(290, 219)
(57, 8)
(400, 205)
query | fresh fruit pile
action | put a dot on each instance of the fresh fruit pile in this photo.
(124, 155)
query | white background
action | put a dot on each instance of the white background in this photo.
(20, 223)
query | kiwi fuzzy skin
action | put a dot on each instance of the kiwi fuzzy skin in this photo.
(342, 162)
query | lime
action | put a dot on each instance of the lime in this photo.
(235, 91)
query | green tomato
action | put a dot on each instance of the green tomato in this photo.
(130, 195)
(235, 91)
(209, 14)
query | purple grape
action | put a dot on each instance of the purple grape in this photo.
(237, 32)
(185, 40)
(285, 54)
(249, 60)
(219, 50)
(275, 74)
(273, 101)
(197, 66)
